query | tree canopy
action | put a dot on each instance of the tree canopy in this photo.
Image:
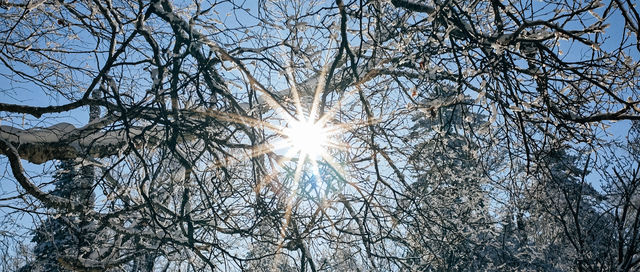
(320, 135)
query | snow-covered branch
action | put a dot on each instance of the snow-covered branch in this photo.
(64, 141)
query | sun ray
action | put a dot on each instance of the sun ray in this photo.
(315, 103)
(240, 119)
(294, 92)
(338, 146)
(267, 148)
(291, 198)
(344, 127)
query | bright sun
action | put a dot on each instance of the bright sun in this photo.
(308, 138)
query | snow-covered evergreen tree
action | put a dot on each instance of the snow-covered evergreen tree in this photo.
(446, 208)
(62, 236)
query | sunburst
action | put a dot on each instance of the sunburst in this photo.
(309, 137)
(302, 138)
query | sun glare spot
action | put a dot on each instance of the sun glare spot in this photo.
(308, 138)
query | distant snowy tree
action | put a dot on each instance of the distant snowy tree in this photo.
(446, 210)
(61, 236)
